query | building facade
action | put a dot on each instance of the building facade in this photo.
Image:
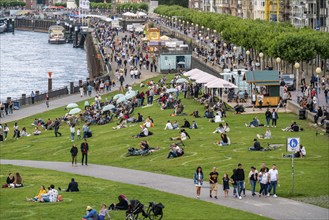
(196, 4)
(310, 13)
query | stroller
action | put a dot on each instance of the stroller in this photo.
(134, 209)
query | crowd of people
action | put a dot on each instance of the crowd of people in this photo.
(268, 180)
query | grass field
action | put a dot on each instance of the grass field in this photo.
(109, 147)
(94, 192)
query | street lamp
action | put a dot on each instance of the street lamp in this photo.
(247, 53)
(318, 71)
(261, 60)
(297, 75)
(278, 61)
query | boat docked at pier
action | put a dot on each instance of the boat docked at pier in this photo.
(56, 34)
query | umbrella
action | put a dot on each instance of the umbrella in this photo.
(75, 111)
(131, 92)
(117, 96)
(130, 95)
(121, 99)
(72, 105)
(171, 90)
(108, 107)
(181, 63)
(141, 13)
(181, 80)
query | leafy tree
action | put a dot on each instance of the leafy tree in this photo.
(183, 3)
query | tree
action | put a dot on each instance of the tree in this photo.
(183, 3)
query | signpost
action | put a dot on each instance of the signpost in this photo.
(293, 145)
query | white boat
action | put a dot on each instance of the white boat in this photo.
(56, 35)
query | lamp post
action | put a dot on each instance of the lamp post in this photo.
(297, 75)
(261, 60)
(318, 71)
(278, 61)
(247, 53)
(208, 29)
(234, 50)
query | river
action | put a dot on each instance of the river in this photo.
(26, 58)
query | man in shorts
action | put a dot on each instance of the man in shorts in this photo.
(213, 181)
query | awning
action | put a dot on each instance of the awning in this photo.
(266, 76)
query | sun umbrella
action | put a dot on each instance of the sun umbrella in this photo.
(75, 111)
(117, 96)
(72, 105)
(181, 80)
(130, 95)
(131, 92)
(108, 107)
(171, 90)
(181, 63)
(121, 99)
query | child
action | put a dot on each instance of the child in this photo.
(113, 83)
(78, 134)
(103, 212)
(226, 184)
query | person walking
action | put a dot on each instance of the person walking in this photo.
(260, 100)
(213, 181)
(226, 184)
(16, 131)
(252, 179)
(268, 117)
(57, 124)
(263, 181)
(72, 132)
(47, 100)
(253, 100)
(198, 181)
(32, 97)
(273, 180)
(74, 152)
(5, 131)
(239, 175)
(274, 118)
(84, 150)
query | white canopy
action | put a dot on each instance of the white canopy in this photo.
(199, 75)
(129, 14)
(191, 72)
(206, 79)
(140, 13)
(220, 83)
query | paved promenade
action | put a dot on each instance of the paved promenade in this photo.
(275, 208)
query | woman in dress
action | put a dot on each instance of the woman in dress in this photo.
(198, 181)
(226, 184)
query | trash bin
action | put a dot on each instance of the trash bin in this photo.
(302, 114)
(16, 105)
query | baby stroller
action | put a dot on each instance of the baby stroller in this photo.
(134, 209)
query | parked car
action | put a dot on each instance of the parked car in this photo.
(289, 80)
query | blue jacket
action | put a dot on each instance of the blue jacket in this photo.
(92, 214)
(196, 178)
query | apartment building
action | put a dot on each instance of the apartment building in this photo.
(196, 4)
(310, 13)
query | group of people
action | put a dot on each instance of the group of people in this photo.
(13, 181)
(268, 180)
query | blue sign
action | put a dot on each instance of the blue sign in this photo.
(293, 143)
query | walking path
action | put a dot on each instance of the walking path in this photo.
(275, 208)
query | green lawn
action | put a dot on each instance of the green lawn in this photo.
(94, 192)
(109, 147)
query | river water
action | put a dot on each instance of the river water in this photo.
(26, 58)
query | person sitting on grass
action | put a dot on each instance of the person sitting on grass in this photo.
(175, 151)
(292, 128)
(36, 131)
(194, 125)
(38, 197)
(169, 126)
(253, 123)
(256, 146)
(175, 125)
(51, 196)
(123, 124)
(183, 136)
(186, 124)
(267, 135)
(145, 146)
(18, 182)
(91, 214)
(73, 187)
(195, 114)
(103, 213)
(122, 205)
(298, 154)
(220, 129)
(144, 132)
(225, 140)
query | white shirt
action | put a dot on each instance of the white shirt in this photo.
(72, 129)
(146, 131)
(183, 136)
(273, 174)
(169, 126)
(303, 151)
(264, 178)
(53, 193)
(218, 118)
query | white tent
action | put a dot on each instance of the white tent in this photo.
(129, 14)
(191, 72)
(199, 75)
(206, 79)
(142, 14)
(220, 83)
